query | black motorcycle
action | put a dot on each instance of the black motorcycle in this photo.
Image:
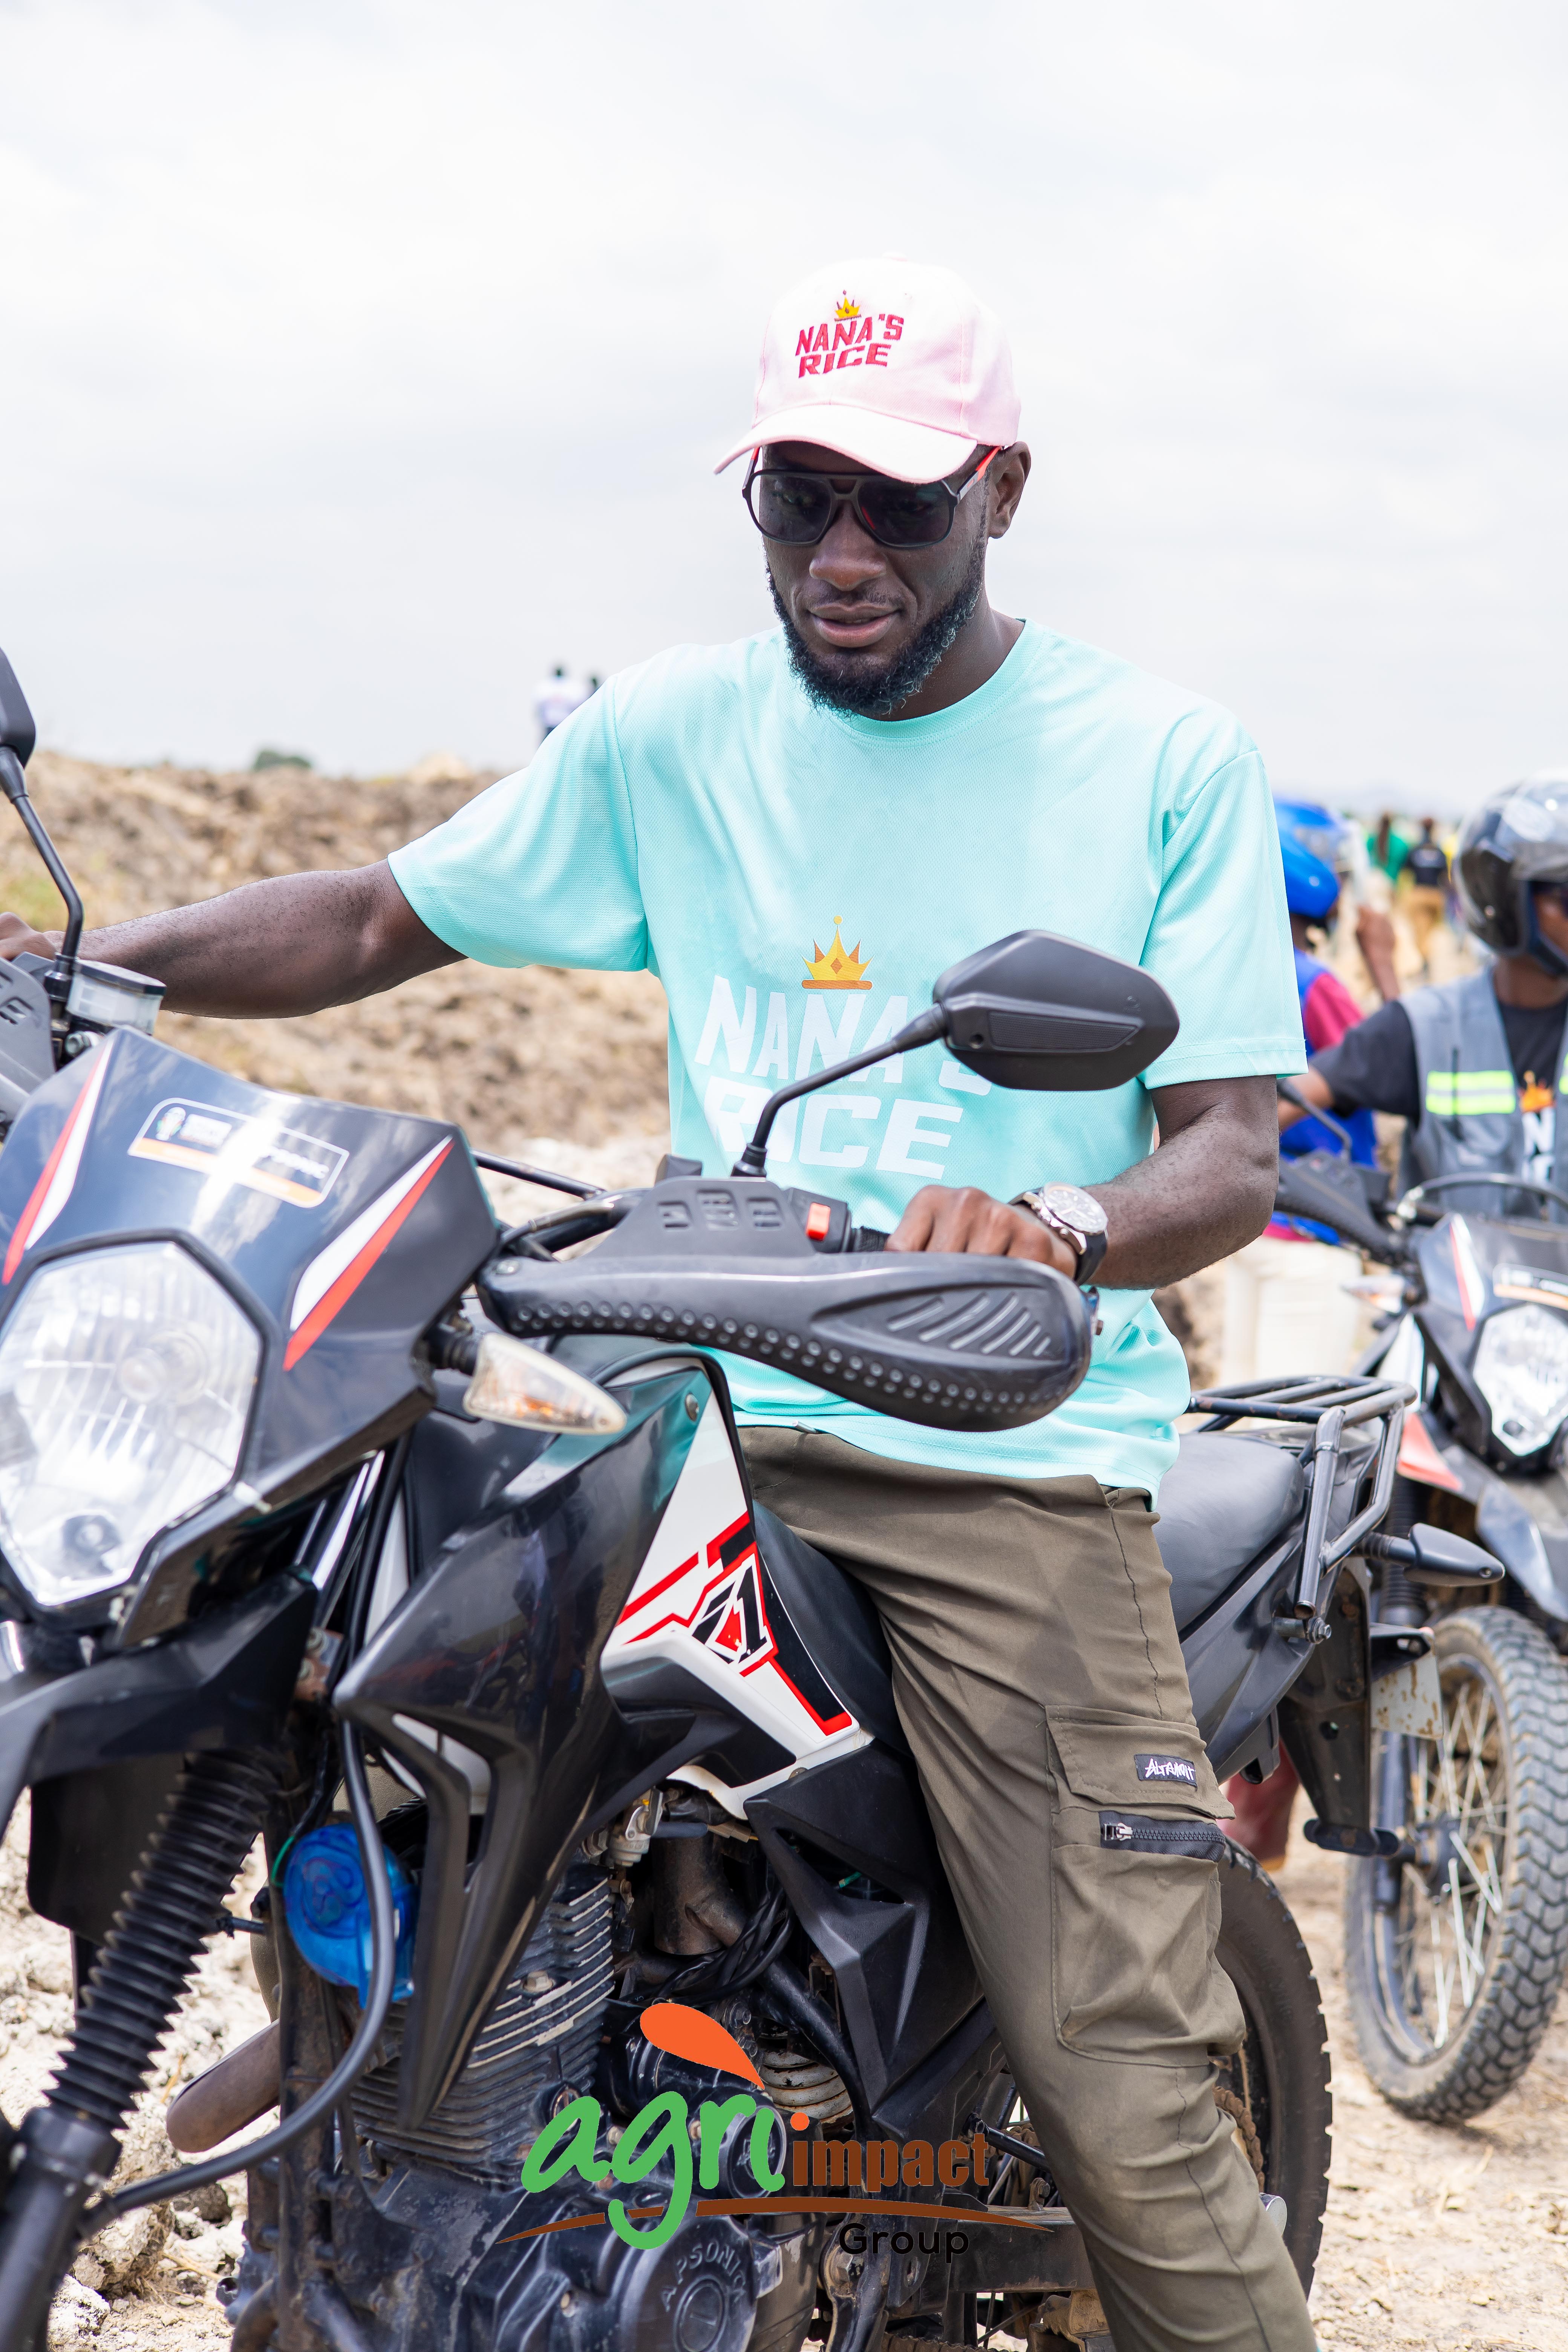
(308, 1472)
(1456, 1950)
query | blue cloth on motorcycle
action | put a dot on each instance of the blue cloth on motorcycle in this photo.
(703, 819)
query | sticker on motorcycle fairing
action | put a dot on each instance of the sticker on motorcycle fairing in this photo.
(1529, 1282)
(280, 1161)
(1167, 1767)
(700, 1610)
(733, 1620)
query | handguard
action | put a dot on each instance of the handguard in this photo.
(954, 1343)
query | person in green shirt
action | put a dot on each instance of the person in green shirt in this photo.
(798, 832)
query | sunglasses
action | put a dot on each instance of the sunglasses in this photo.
(798, 508)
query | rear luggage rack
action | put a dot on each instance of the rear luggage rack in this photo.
(1330, 1403)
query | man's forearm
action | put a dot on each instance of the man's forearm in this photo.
(1206, 1192)
(289, 945)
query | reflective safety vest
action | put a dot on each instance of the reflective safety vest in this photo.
(1470, 1120)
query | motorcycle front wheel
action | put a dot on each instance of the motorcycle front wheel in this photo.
(1454, 1953)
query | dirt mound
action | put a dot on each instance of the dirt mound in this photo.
(512, 1056)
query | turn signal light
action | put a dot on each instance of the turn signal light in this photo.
(516, 1383)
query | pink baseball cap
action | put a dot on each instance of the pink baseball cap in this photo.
(893, 363)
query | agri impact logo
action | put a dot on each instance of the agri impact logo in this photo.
(660, 2132)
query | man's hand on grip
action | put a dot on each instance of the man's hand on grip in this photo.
(969, 1221)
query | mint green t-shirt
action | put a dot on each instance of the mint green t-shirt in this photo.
(798, 879)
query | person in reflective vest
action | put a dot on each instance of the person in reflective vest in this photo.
(1475, 1066)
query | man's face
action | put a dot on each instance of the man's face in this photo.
(1553, 917)
(867, 624)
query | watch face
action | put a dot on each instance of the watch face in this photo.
(1075, 1207)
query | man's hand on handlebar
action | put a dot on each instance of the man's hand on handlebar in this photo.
(18, 937)
(970, 1221)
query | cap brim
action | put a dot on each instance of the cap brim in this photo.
(884, 445)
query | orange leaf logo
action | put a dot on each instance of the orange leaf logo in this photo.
(688, 2034)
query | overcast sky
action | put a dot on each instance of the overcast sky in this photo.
(362, 357)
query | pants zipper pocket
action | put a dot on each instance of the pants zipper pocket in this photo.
(1202, 1841)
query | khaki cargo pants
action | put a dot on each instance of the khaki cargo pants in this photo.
(1035, 1662)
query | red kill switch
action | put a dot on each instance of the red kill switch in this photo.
(819, 1218)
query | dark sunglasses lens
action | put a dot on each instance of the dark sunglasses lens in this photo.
(791, 507)
(906, 514)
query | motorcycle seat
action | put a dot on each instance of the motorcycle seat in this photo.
(836, 1621)
(1225, 1501)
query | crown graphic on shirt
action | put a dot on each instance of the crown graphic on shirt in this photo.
(840, 968)
(846, 307)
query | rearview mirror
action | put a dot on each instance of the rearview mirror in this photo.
(1037, 1010)
(17, 732)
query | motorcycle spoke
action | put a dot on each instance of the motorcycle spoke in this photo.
(1450, 1911)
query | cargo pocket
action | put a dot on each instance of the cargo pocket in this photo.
(1135, 1835)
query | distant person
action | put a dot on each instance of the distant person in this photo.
(1426, 871)
(557, 698)
(1475, 1068)
(1387, 846)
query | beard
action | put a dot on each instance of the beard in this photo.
(858, 683)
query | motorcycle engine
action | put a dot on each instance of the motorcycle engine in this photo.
(538, 2045)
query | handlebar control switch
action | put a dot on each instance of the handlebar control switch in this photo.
(826, 1222)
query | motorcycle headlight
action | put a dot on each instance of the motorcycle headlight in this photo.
(1522, 1369)
(125, 1380)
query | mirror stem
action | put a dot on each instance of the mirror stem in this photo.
(14, 784)
(923, 1030)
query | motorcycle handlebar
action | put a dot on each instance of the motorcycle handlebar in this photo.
(781, 1278)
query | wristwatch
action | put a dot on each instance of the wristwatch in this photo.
(1078, 1217)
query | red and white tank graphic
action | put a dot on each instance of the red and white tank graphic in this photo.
(702, 1608)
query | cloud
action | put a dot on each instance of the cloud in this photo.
(365, 358)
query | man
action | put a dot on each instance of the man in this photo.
(1475, 1066)
(1427, 875)
(1388, 846)
(902, 766)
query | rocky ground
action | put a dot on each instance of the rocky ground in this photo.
(1453, 2239)
(1456, 2238)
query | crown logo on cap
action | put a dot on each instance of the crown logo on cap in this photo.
(840, 968)
(848, 306)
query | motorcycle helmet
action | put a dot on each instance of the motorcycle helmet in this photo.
(1311, 888)
(1518, 837)
(1320, 831)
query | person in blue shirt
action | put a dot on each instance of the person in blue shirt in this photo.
(1328, 1010)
